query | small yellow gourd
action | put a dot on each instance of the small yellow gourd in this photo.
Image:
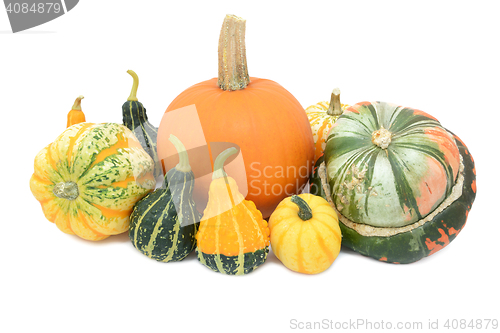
(76, 115)
(305, 233)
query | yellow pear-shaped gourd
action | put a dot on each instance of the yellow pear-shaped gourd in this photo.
(233, 238)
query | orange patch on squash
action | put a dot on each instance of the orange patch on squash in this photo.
(352, 109)
(364, 103)
(110, 214)
(473, 186)
(122, 143)
(447, 146)
(422, 113)
(457, 138)
(321, 139)
(432, 187)
(383, 259)
(73, 139)
(355, 107)
(433, 246)
(124, 183)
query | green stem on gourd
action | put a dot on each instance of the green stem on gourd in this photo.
(183, 164)
(335, 108)
(305, 212)
(135, 85)
(233, 70)
(66, 190)
(78, 104)
(219, 163)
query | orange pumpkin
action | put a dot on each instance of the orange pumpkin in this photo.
(260, 116)
(76, 115)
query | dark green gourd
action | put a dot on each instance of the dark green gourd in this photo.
(163, 225)
(136, 119)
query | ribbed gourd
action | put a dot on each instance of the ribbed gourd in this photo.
(322, 116)
(233, 238)
(136, 119)
(76, 115)
(88, 180)
(164, 223)
(403, 184)
(305, 233)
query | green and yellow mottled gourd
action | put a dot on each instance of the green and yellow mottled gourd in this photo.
(403, 184)
(164, 223)
(233, 237)
(136, 119)
(90, 177)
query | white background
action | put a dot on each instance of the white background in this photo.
(440, 57)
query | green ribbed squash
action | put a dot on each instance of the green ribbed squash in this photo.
(136, 119)
(402, 184)
(389, 166)
(163, 224)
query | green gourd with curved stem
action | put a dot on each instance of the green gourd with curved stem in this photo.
(136, 119)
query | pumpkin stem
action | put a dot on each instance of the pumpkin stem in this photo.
(66, 190)
(305, 212)
(335, 108)
(381, 137)
(135, 85)
(219, 163)
(233, 70)
(78, 104)
(183, 165)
